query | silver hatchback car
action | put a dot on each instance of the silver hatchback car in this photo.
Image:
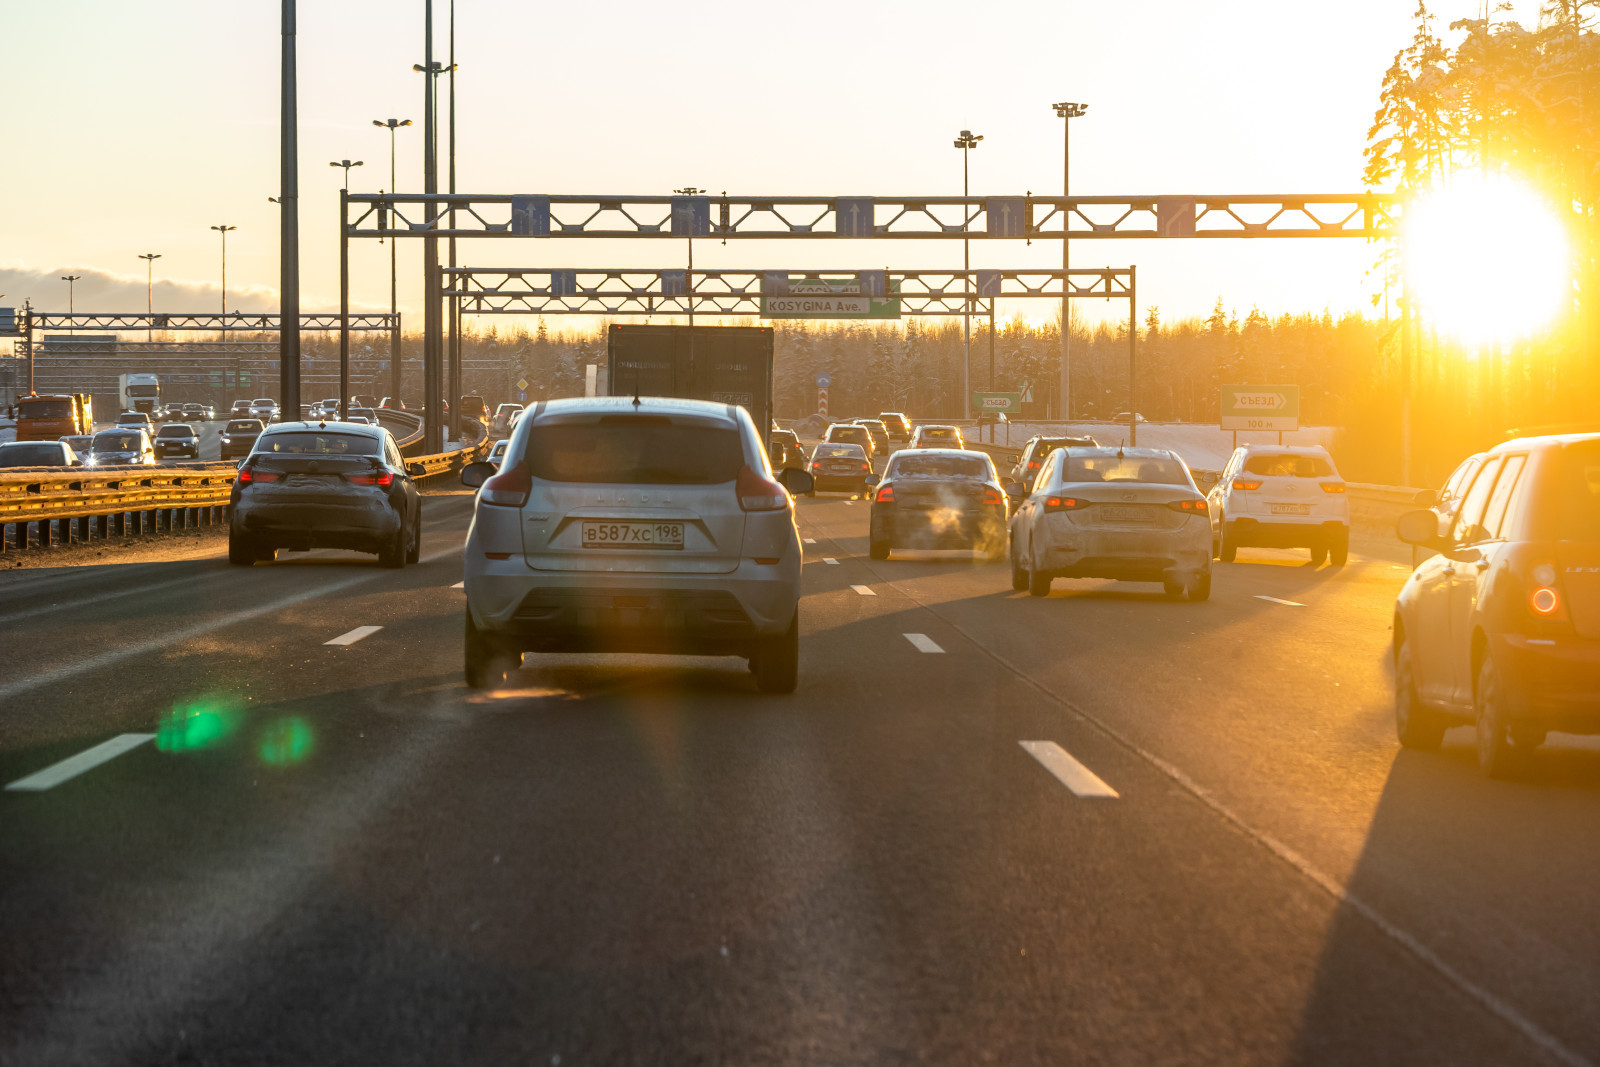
(618, 524)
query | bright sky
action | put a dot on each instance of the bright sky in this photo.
(142, 125)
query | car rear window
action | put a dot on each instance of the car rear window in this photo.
(116, 442)
(305, 443)
(1577, 511)
(30, 454)
(1112, 467)
(45, 409)
(826, 451)
(847, 433)
(244, 426)
(635, 450)
(907, 465)
(1288, 465)
(176, 429)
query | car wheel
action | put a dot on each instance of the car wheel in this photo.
(393, 554)
(877, 549)
(1339, 549)
(414, 553)
(1019, 577)
(1319, 555)
(1229, 550)
(487, 661)
(1172, 589)
(1199, 587)
(1499, 755)
(1417, 727)
(1038, 582)
(775, 661)
(241, 553)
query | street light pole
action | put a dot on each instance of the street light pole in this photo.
(432, 328)
(289, 225)
(70, 279)
(688, 278)
(149, 291)
(1066, 111)
(965, 141)
(394, 305)
(223, 230)
(455, 305)
(346, 164)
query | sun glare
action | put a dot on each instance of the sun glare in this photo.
(1487, 257)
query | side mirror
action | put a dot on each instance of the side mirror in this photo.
(872, 479)
(796, 481)
(1426, 498)
(475, 474)
(416, 470)
(1015, 492)
(1418, 528)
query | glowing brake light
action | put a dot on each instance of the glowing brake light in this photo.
(1063, 503)
(248, 476)
(757, 492)
(1333, 487)
(991, 497)
(509, 488)
(1545, 600)
(885, 495)
(1191, 507)
(1247, 483)
(383, 479)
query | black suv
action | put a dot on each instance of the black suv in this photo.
(1038, 449)
(177, 440)
(1501, 629)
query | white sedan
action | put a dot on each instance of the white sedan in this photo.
(1130, 514)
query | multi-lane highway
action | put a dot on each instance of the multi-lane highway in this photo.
(1102, 827)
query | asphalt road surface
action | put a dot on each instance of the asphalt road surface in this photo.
(1104, 827)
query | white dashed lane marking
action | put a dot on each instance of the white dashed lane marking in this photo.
(864, 590)
(459, 585)
(354, 635)
(830, 559)
(1069, 772)
(73, 766)
(923, 643)
(1275, 600)
(811, 540)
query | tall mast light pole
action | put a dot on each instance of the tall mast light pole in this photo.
(394, 306)
(346, 164)
(966, 141)
(149, 290)
(1066, 111)
(71, 280)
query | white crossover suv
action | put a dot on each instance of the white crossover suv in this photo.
(1281, 496)
(618, 524)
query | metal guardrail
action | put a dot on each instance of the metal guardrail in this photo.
(41, 506)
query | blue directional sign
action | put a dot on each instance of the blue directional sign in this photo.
(8, 320)
(988, 283)
(775, 283)
(1175, 216)
(1007, 215)
(563, 282)
(874, 283)
(852, 216)
(674, 283)
(522, 397)
(691, 216)
(530, 216)
(824, 380)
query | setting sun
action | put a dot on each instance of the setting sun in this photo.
(1487, 256)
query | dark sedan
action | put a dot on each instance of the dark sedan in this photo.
(841, 468)
(939, 498)
(177, 440)
(121, 446)
(329, 485)
(239, 437)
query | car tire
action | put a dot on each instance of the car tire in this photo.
(1174, 590)
(877, 549)
(1038, 582)
(241, 553)
(1199, 587)
(487, 661)
(1319, 555)
(1339, 547)
(265, 554)
(414, 553)
(775, 661)
(1417, 727)
(393, 554)
(1229, 551)
(1499, 755)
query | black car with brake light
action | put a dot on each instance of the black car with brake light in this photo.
(325, 485)
(939, 499)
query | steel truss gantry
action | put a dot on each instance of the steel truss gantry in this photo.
(767, 218)
(631, 291)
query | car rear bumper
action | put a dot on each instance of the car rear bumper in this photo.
(840, 483)
(1556, 683)
(689, 614)
(937, 529)
(1286, 531)
(1131, 555)
(363, 524)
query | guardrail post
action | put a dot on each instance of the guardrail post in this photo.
(100, 524)
(119, 523)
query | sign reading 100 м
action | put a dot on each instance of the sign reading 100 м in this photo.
(820, 299)
(1260, 407)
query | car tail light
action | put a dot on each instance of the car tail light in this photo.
(1545, 599)
(991, 497)
(885, 495)
(1034, 464)
(1063, 503)
(248, 476)
(816, 465)
(383, 478)
(866, 466)
(1189, 507)
(1247, 483)
(509, 488)
(757, 492)
(1333, 487)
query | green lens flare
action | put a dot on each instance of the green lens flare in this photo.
(195, 727)
(286, 742)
